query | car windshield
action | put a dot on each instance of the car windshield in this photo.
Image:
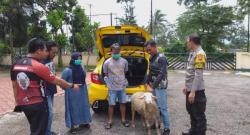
(123, 39)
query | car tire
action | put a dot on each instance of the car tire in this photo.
(96, 110)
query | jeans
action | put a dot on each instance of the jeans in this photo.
(50, 100)
(197, 113)
(37, 115)
(162, 103)
(117, 94)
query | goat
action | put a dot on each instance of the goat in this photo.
(144, 103)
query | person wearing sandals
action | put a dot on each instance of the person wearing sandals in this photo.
(114, 69)
(77, 109)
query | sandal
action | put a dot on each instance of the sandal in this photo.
(108, 125)
(125, 123)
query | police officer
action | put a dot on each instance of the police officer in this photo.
(194, 87)
(157, 80)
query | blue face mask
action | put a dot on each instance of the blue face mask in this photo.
(116, 56)
(78, 62)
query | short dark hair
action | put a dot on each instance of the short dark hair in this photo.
(35, 44)
(194, 37)
(50, 44)
(152, 43)
(115, 46)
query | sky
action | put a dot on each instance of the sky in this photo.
(142, 10)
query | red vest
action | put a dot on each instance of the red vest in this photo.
(28, 75)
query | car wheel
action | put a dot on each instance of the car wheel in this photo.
(96, 110)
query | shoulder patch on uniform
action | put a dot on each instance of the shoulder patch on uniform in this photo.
(200, 60)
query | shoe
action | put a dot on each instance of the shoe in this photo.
(73, 130)
(108, 125)
(125, 123)
(166, 131)
(85, 126)
(189, 132)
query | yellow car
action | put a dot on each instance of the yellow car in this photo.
(131, 39)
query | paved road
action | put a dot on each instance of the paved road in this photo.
(228, 110)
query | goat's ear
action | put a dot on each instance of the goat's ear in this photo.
(141, 97)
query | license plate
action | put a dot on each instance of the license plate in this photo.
(128, 98)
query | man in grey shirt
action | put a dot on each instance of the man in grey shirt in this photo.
(194, 87)
(114, 69)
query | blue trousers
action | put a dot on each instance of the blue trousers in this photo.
(50, 100)
(162, 103)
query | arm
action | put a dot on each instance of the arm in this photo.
(44, 72)
(62, 83)
(198, 78)
(199, 66)
(105, 69)
(162, 72)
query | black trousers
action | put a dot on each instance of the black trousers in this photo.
(197, 113)
(37, 115)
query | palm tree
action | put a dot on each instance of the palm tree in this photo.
(159, 23)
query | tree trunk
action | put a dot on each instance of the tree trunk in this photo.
(60, 63)
(88, 58)
(11, 47)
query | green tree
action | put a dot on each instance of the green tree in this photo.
(244, 6)
(159, 23)
(163, 31)
(211, 22)
(62, 41)
(83, 31)
(57, 17)
(192, 3)
(129, 18)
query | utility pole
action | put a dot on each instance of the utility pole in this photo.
(248, 34)
(90, 6)
(111, 19)
(151, 18)
(73, 35)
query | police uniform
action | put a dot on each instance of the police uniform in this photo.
(195, 82)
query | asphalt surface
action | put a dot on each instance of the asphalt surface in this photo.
(228, 110)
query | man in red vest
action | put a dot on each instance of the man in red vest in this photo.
(28, 76)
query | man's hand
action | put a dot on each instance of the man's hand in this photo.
(148, 87)
(76, 86)
(191, 97)
(184, 90)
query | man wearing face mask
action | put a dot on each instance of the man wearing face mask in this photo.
(114, 69)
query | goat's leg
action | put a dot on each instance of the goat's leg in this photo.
(133, 116)
(143, 121)
(148, 127)
(157, 126)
